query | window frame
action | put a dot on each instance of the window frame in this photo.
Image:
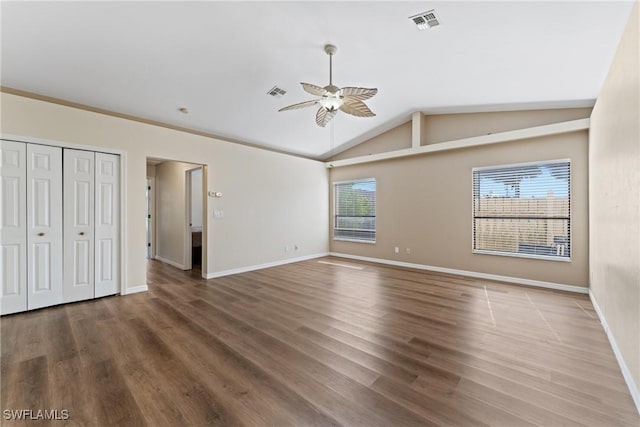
(335, 210)
(515, 254)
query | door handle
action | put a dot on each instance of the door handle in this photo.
(41, 234)
(81, 233)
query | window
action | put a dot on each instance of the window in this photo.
(355, 211)
(523, 210)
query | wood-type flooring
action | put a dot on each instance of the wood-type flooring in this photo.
(323, 342)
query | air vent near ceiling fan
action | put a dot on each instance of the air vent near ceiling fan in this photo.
(277, 92)
(425, 20)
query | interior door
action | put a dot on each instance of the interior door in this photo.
(13, 227)
(107, 277)
(44, 226)
(79, 219)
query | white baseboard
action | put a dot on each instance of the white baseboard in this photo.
(168, 261)
(135, 290)
(222, 273)
(633, 388)
(516, 280)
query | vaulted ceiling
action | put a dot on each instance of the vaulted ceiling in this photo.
(219, 60)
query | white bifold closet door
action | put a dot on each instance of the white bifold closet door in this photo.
(107, 185)
(44, 226)
(79, 220)
(59, 225)
(13, 227)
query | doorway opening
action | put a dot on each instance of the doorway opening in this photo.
(176, 218)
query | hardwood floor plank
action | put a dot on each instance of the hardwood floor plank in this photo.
(206, 407)
(115, 404)
(520, 408)
(589, 395)
(166, 406)
(476, 408)
(326, 342)
(334, 360)
(436, 412)
(59, 335)
(71, 389)
(240, 376)
(31, 390)
(379, 411)
(378, 364)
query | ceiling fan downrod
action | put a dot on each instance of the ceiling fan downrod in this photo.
(330, 50)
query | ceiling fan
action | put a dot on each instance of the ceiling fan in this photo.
(332, 98)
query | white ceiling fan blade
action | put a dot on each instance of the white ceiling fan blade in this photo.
(356, 108)
(359, 93)
(299, 105)
(313, 89)
(323, 116)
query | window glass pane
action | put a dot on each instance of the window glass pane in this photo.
(523, 209)
(355, 211)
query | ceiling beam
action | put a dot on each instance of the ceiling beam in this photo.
(475, 141)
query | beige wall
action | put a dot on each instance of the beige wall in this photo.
(269, 199)
(171, 211)
(424, 203)
(614, 178)
(397, 138)
(449, 127)
(151, 171)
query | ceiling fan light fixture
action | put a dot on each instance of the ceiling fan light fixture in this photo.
(331, 103)
(333, 98)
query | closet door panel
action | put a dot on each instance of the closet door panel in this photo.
(107, 277)
(78, 225)
(44, 226)
(13, 227)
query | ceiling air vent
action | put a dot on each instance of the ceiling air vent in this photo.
(277, 92)
(425, 20)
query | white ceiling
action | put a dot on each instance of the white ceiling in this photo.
(218, 59)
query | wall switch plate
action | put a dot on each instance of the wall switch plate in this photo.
(396, 250)
(218, 214)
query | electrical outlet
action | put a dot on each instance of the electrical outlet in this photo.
(408, 250)
(286, 248)
(397, 250)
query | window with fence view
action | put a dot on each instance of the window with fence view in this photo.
(523, 210)
(355, 211)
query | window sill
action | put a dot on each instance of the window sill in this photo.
(343, 239)
(528, 256)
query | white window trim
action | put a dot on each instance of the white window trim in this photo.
(344, 239)
(335, 204)
(517, 255)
